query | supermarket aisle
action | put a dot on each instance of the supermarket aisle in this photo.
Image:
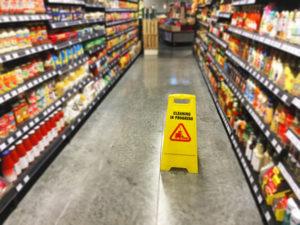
(109, 173)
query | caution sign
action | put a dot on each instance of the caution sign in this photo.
(179, 148)
(180, 134)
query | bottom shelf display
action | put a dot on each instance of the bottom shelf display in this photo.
(22, 162)
(275, 198)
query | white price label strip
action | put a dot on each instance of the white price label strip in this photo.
(19, 187)
(260, 199)
(289, 179)
(293, 138)
(267, 216)
(255, 188)
(26, 179)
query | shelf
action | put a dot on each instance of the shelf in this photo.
(243, 2)
(72, 66)
(202, 45)
(113, 62)
(78, 40)
(224, 15)
(118, 22)
(98, 63)
(57, 25)
(250, 175)
(6, 57)
(294, 139)
(95, 6)
(68, 2)
(217, 40)
(110, 10)
(29, 124)
(203, 23)
(285, 97)
(119, 45)
(120, 33)
(23, 18)
(281, 45)
(289, 179)
(27, 176)
(26, 86)
(96, 49)
(272, 138)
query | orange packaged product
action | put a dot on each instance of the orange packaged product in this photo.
(39, 6)
(20, 111)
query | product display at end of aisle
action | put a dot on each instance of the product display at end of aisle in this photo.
(179, 148)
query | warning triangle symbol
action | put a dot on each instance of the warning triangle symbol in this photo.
(180, 134)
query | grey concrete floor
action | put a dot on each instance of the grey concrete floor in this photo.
(109, 173)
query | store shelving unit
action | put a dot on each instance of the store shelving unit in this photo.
(118, 22)
(204, 53)
(14, 55)
(272, 42)
(25, 179)
(19, 187)
(251, 177)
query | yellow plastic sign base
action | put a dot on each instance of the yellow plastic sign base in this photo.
(180, 135)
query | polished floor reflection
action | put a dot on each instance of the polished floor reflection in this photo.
(109, 173)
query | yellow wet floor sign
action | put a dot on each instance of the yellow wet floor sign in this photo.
(180, 135)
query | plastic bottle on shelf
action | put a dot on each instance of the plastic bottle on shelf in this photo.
(15, 157)
(28, 147)
(250, 146)
(295, 217)
(24, 161)
(41, 145)
(34, 142)
(257, 156)
(7, 166)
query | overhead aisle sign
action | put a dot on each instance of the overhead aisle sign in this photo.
(180, 135)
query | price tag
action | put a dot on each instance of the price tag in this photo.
(19, 187)
(255, 188)
(266, 83)
(267, 216)
(7, 57)
(276, 91)
(26, 179)
(63, 136)
(284, 97)
(15, 55)
(35, 82)
(19, 134)
(33, 50)
(14, 93)
(31, 123)
(278, 149)
(6, 97)
(10, 140)
(296, 102)
(25, 128)
(267, 133)
(72, 127)
(251, 180)
(271, 86)
(36, 120)
(274, 142)
(259, 198)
